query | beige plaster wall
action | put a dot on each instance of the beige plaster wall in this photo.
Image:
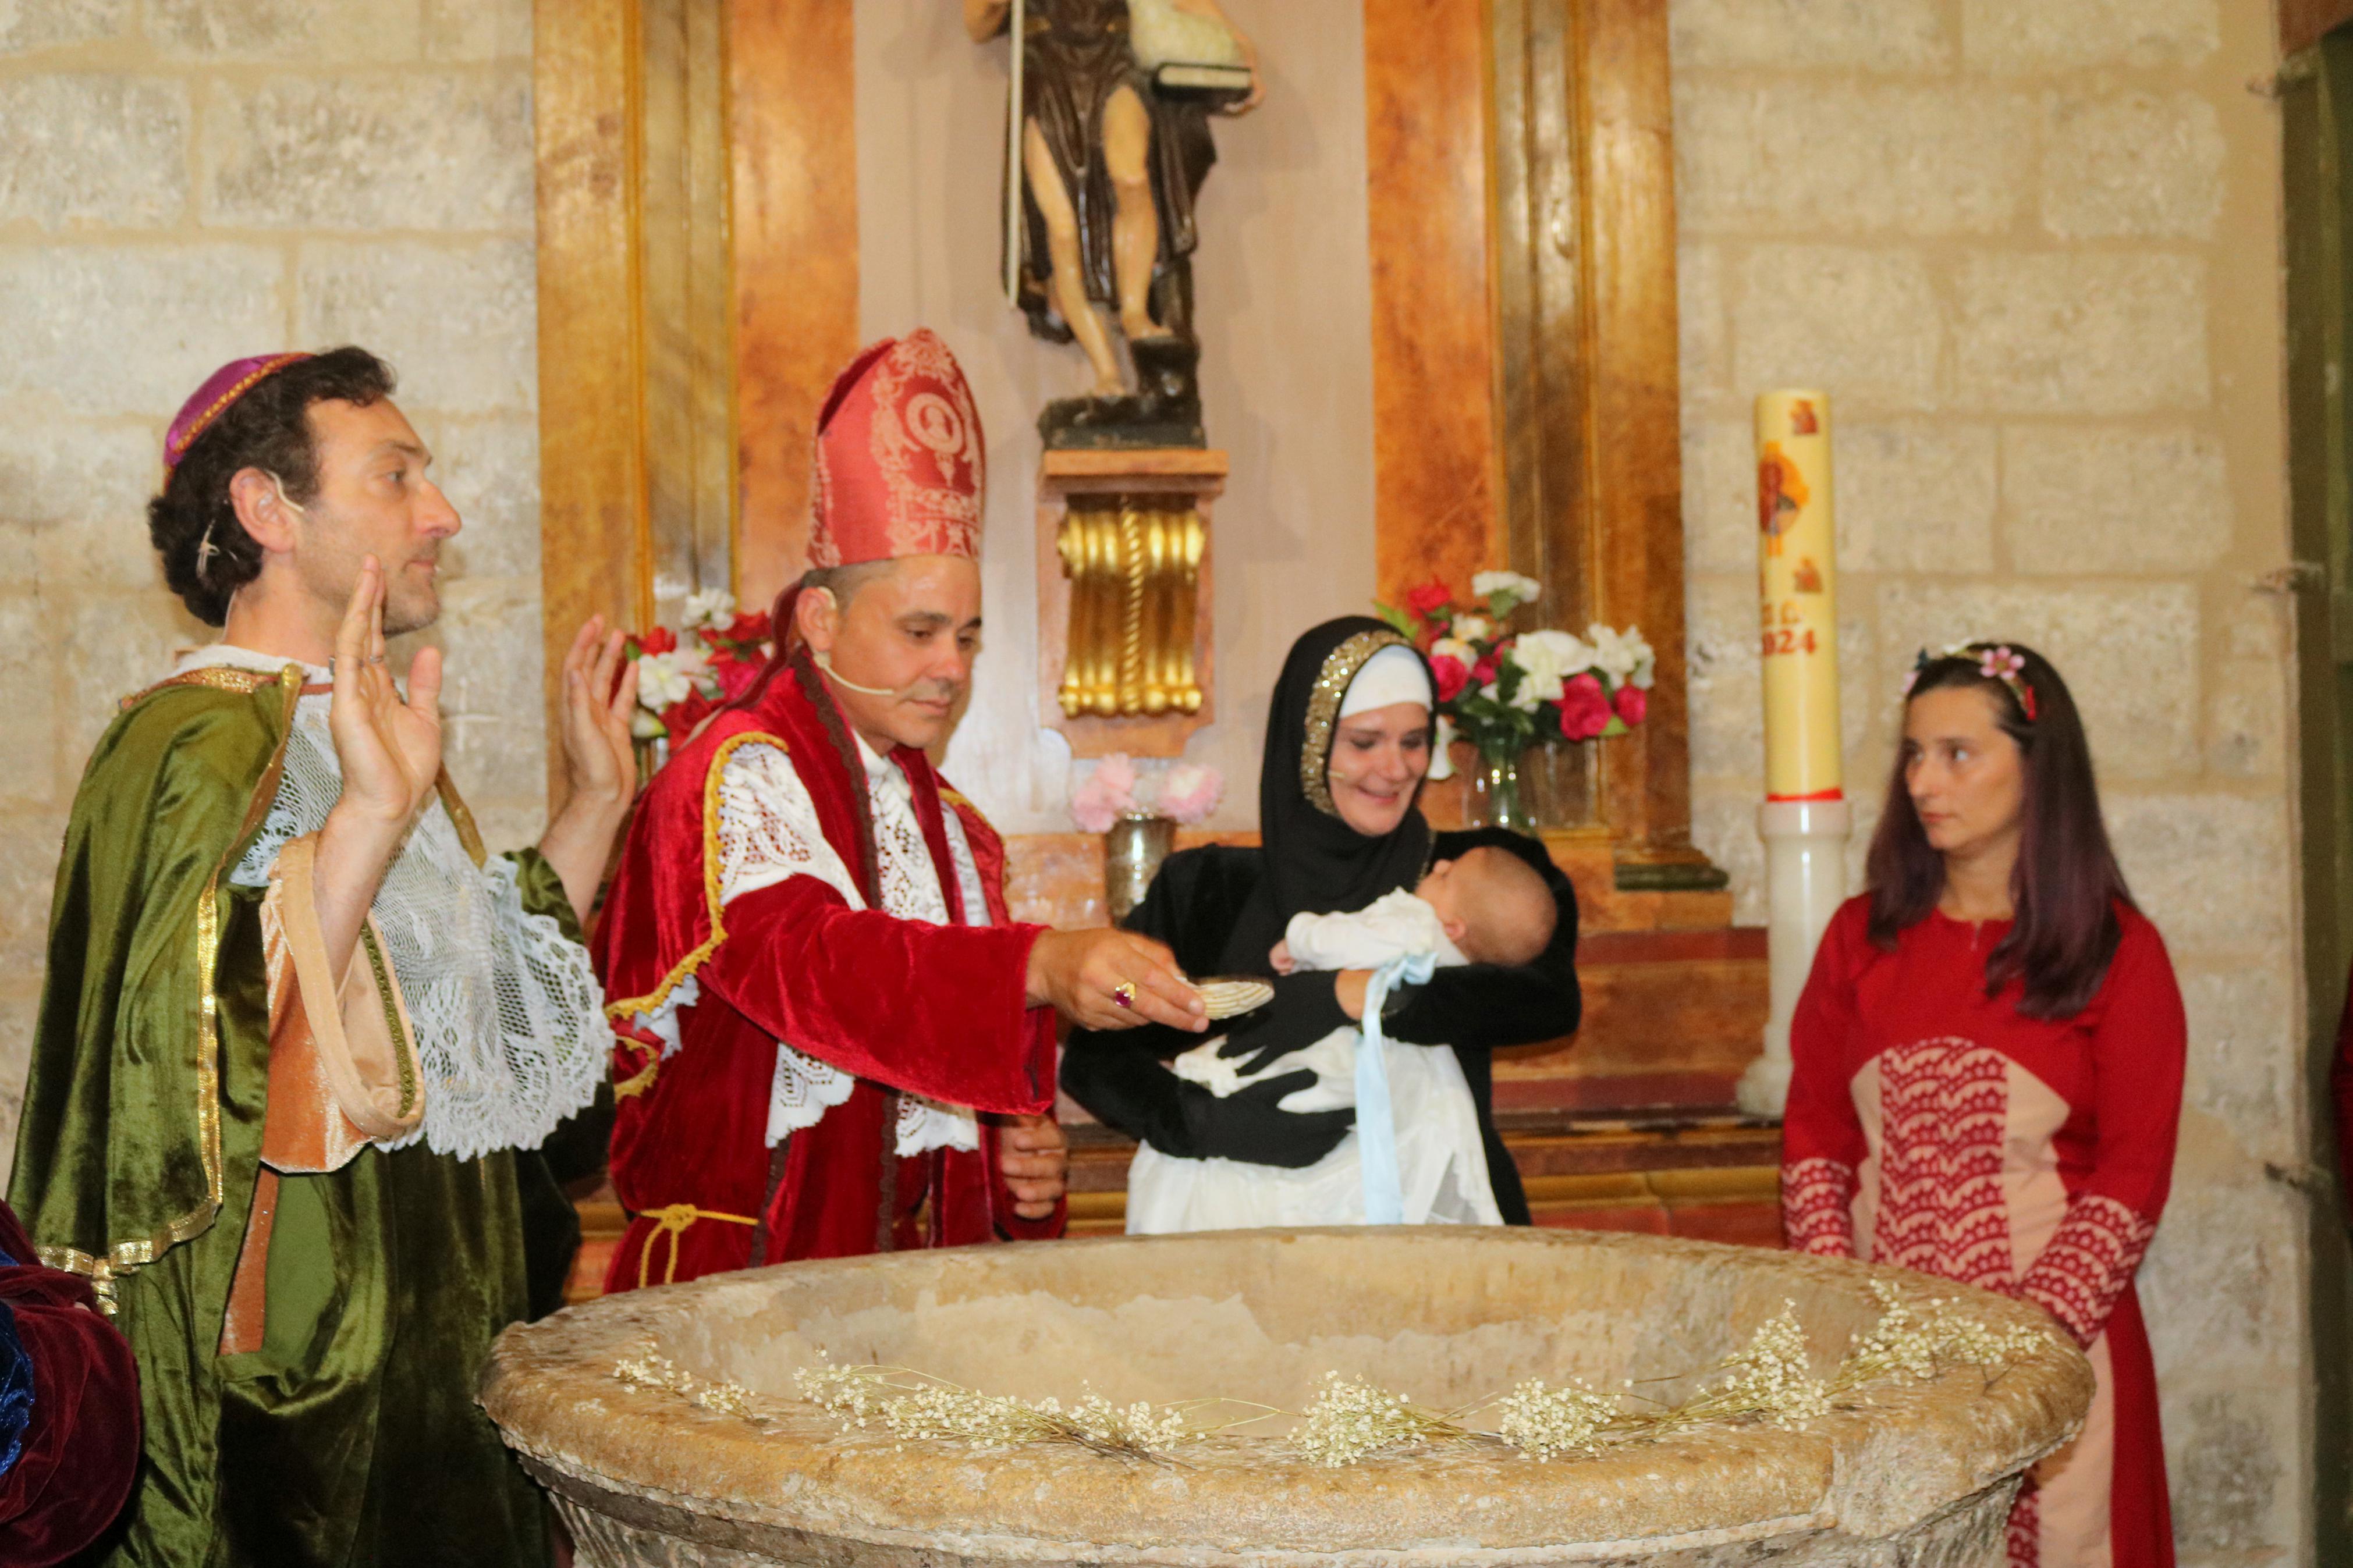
(1283, 301)
(186, 181)
(2030, 248)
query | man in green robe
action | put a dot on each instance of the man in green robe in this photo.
(301, 1041)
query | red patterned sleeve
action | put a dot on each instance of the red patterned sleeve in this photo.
(2138, 1049)
(1821, 1137)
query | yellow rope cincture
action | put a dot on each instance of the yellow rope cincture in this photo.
(693, 961)
(671, 1222)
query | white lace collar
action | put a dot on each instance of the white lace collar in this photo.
(883, 776)
(222, 654)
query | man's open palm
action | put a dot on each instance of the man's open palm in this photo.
(389, 748)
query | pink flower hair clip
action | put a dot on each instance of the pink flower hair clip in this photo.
(1995, 662)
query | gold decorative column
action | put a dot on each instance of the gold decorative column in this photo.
(1124, 597)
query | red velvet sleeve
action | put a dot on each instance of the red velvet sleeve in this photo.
(939, 1011)
(1823, 1144)
(2139, 1047)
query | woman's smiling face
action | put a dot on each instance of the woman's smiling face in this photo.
(1378, 758)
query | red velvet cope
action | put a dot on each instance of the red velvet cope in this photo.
(81, 1452)
(938, 1011)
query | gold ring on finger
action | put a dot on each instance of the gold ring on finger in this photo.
(1123, 994)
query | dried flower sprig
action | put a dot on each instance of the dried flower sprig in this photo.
(1352, 1419)
(651, 1371)
(1545, 1423)
(913, 1404)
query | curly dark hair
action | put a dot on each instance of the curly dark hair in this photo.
(268, 428)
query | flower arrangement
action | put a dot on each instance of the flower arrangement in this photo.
(1186, 793)
(1503, 691)
(684, 677)
(1769, 1382)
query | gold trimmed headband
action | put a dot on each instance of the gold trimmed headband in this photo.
(1332, 683)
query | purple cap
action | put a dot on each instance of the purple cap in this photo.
(212, 400)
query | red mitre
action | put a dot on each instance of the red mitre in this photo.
(212, 400)
(901, 465)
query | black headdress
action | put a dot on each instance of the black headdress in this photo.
(1315, 862)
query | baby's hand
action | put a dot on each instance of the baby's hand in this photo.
(1281, 958)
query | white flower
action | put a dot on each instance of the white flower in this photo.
(1472, 629)
(1546, 659)
(710, 607)
(666, 677)
(1454, 648)
(1625, 657)
(1523, 590)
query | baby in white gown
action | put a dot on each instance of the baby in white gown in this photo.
(1488, 906)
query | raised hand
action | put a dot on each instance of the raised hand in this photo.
(600, 757)
(389, 747)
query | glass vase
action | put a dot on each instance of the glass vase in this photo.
(1495, 799)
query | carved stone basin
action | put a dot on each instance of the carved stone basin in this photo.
(1921, 1475)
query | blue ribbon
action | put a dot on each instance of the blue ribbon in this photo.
(1376, 1118)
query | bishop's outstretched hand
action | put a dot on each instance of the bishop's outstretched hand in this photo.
(1112, 980)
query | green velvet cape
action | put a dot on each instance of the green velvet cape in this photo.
(351, 1437)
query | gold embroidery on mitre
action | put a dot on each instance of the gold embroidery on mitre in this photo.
(1332, 682)
(941, 424)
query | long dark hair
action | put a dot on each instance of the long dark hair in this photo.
(2066, 886)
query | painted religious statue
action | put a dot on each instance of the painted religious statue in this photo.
(1109, 151)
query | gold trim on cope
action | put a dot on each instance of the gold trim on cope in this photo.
(1332, 682)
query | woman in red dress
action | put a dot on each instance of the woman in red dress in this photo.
(1988, 1061)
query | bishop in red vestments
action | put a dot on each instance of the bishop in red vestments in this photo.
(830, 1037)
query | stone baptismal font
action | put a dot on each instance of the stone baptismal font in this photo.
(672, 1429)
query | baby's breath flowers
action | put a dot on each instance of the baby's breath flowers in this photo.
(913, 1404)
(1769, 1381)
(650, 1370)
(1352, 1419)
(1546, 1422)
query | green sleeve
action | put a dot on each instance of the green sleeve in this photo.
(542, 892)
(142, 1109)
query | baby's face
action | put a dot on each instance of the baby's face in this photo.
(1440, 891)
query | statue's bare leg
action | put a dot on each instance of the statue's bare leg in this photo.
(1067, 279)
(1135, 221)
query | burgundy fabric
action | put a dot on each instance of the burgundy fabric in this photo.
(935, 1010)
(81, 1452)
(901, 463)
(213, 399)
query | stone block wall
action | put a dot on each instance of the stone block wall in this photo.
(2030, 248)
(183, 182)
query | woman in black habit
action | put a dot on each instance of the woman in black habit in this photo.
(1340, 825)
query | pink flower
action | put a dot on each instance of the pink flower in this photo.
(1632, 703)
(1483, 672)
(1189, 791)
(1585, 709)
(1452, 677)
(1109, 791)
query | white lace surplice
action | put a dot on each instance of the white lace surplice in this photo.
(508, 1015)
(768, 831)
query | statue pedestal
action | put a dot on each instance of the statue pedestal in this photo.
(1125, 657)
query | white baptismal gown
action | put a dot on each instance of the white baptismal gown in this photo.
(1440, 1161)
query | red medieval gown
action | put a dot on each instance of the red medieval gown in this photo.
(1934, 1127)
(708, 982)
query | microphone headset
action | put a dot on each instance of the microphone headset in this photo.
(824, 661)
